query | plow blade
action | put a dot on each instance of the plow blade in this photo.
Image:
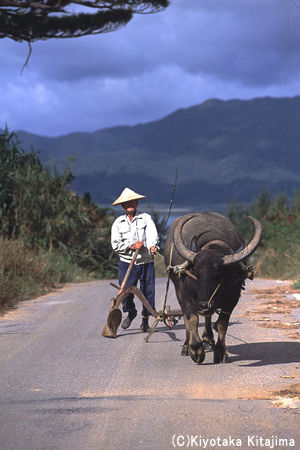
(112, 324)
(113, 320)
(115, 316)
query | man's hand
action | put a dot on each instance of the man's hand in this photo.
(136, 245)
(153, 250)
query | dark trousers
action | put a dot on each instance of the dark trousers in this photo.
(145, 273)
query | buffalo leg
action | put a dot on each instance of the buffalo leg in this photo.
(207, 335)
(195, 344)
(184, 350)
(220, 352)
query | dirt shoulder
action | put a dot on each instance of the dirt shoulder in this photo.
(276, 306)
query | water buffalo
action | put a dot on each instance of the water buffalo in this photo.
(204, 253)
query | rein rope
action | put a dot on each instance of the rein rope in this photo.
(213, 294)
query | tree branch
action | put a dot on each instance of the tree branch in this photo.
(33, 20)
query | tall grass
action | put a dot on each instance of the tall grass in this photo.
(279, 253)
(26, 273)
(37, 206)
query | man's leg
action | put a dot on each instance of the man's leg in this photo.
(128, 303)
(147, 286)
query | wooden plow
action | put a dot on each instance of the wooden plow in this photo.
(166, 315)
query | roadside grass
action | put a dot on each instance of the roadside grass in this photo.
(284, 265)
(26, 273)
(278, 255)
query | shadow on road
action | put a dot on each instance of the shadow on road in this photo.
(265, 353)
(170, 332)
(162, 331)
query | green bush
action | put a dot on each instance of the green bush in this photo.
(38, 207)
(279, 253)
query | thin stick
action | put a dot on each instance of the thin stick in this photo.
(171, 203)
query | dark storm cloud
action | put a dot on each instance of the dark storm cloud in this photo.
(251, 42)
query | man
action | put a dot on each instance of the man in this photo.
(131, 231)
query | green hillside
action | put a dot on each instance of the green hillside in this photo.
(223, 150)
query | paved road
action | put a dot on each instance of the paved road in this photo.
(64, 386)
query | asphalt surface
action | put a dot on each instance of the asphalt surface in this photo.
(64, 386)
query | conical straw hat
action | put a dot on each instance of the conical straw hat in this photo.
(126, 196)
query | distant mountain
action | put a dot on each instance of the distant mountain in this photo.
(224, 150)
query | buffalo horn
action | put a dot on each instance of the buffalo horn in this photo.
(178, 242)
(249, 249)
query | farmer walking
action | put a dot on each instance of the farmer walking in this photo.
(131, 231)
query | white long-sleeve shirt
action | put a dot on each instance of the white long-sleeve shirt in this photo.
(125, 233)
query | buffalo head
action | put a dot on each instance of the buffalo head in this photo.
(212, 262)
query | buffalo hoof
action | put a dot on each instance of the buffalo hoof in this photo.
(184, 351)
(197, 357)
(220, 356)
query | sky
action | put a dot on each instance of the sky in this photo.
(193, 51)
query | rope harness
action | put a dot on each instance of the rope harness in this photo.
(181, 269)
